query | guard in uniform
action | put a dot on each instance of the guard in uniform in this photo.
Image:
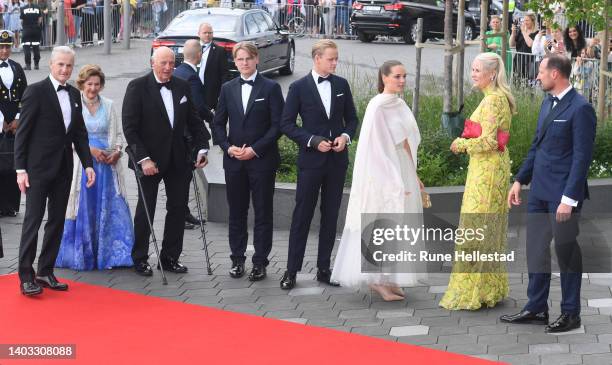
(12, 85)
(31, 19)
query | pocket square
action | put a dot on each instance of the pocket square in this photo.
(183, 99)
(262, 99)
(339, 95)
(76, 105)
(559, 120)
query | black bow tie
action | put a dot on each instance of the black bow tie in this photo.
(166, 84)
(322, 79)
(553, 99)
(250, 82)
(3, 64)
(62, 87)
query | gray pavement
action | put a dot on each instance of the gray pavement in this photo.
(417, 320)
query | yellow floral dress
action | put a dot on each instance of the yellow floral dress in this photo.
(474, 284)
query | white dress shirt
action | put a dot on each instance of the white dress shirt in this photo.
(205, 52)
(166, 95)
(246, 91)
(6, 73)
(564, 199)
(325, 92)
(194, 67)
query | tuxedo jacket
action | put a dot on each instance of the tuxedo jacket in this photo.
(558, 161)
(146, 124)
(257, 127)
(303, 99)
(10, 99)
(215, 74)
(187, 73)
(42, 142)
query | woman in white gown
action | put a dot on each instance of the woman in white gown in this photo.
(384, 181)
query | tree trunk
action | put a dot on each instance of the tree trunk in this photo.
(448, 57)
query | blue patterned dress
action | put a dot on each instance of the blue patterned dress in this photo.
(102, 235)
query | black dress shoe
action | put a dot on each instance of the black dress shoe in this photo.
(173, 266)
(143, 268)
(237, 270)
(36, 66)
(190, 226)
(526, 316)
(189, 218)
(27, 67)
(30, 288)
(257, 273)
(324, 276)
(50, 281)
(565, 322)
(288, 280)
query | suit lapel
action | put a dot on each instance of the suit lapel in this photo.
(254, 92)
(157, 98)
(314, 91)
(237, 95)
(73, 109)
(334, 92)
(209, 61)
(55, 101)
(176, 99)
(561, 106)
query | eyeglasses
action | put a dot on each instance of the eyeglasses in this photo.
(207, 32)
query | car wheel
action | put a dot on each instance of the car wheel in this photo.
(290, 65)
(411, 36)
(365, 38)
(468, 32)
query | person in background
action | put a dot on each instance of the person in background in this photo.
(574, 41)
(521, 39)
(494, 44)
(14, 21)
(31, 17)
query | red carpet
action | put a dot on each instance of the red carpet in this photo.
(116, 327)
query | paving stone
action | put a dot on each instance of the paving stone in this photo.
(440, 321)
(166, 292)
(561, 359)
(599, 359)
(576, 331)
(363, 322)
(577, 339)
(549, 348)
(296, 320)
(436, 289)
(508, 349)
(386, 314)
(282, 314)
(470, 349)
(444, 331)
(418, 339)
(457, 339)
(409, 331)
(523, 359)
(239, 300)
(398, 322)
(488, 330)
(360, 313)
(201, 292)
(537, 339)
(497, 339)
(306, 291)
(236, 292)
(589, 348)
(371, 331)
(203, 300)
(598, 329)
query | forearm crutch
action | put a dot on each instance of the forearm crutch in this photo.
(139, 173)
(196, 191)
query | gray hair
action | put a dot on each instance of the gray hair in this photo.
(61, 50)
(159, 50)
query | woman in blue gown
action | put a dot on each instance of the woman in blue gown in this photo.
(98, 231)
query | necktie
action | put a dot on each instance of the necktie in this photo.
(62, 87)
(3, 64)
(322, 79)
(164, 84)
(243, 81)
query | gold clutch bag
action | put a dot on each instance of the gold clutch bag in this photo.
(426, 200)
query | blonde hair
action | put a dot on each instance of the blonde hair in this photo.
(88, 71)
(247, 46)
(492, 62)
(321, 45)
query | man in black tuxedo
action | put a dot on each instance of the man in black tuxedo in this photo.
(252, 104)
(51, 122)
(12, 85)
(157, 108)
(329, 121)
(213, 69)
(192, 52)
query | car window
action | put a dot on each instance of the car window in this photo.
(270, 22)
(251, 24)
(189, 23)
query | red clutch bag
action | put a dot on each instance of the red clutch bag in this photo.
(472, 129)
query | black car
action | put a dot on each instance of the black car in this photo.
(399, 18)
(230, 26)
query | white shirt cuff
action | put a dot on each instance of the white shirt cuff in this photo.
(569, 201)
(17, 115)
(308, 145)
(348, 138)
(203, 152)
(20, 171)
(144, 159)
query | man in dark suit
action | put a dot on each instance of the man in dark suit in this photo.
(252, 104)
(12, 85)
(51, 122)
(157, 108)
(557, 166)
(213, 69)
(329, 121)
(192, 52)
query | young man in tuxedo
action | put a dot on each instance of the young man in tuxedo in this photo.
(11, 91)
(252, 105)
(325, 104)
(213, 70)
(192, 52)
(51, 122)
(157, 108)
(557, 166)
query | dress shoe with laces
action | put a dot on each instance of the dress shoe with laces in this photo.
(324, 276)
(258, 272)
(526, 316)
(173, 266)
(29, 288)
(565, 322)
(50, 281)
(189, 218)
(288, 280)
(143, 268)
(237, 270)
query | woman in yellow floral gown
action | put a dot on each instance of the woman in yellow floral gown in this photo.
(474, 284)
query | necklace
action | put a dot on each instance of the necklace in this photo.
(91, 102)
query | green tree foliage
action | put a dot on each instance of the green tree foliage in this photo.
(593, 11)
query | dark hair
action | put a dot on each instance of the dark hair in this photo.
(560, 63)
(569, 44)
(385, 70)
